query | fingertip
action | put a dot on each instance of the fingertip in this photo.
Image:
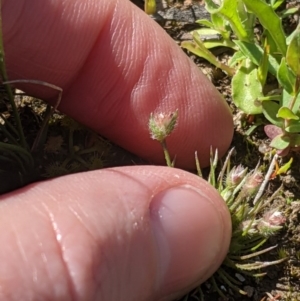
(124, 68)
(192, 236)
(166, 228)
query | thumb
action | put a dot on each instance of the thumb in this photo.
(132, 233)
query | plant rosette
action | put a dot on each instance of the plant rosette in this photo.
(253, 223)
(257, 58)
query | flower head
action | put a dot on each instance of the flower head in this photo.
(235, 176)
(274, 218)
(162, 125)
(253, 183)
(271, 222)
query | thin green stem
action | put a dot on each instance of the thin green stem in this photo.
(48, 115)
(166, 153)
(227, 276)
(269, 98)
(42, 133)
(8, 135)
(213, 280)
(198, 168)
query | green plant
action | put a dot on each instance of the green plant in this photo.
(76, 149)
(16, 160)
(282, 253)
(252, 220)
(21, 160)
(258, 59)
(18, 166)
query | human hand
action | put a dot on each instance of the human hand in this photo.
(131, 233)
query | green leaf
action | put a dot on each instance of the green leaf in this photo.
(236, 59)
(290, 37)
(206, 23)
(293, 128)
(270, 109)
(272, 45)
(284, 168)
(247, 19)
(269, 20)
(290, 11)
(287, 100)
(212, 38)
(199, 49)
(276, 3)
(295, 140)
(287, 114)
(262, 71)
(206, 32)
(218, 21)
(255, 53)
(246, 88)
(293, 52)
(229, 10)
(286, 77)
(280, 142)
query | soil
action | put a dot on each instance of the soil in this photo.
(69, 147)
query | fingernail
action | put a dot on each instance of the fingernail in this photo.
(189, 233)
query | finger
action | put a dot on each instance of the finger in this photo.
(117, 234)
(116, 66)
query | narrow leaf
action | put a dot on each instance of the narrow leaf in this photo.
(275, 4)
(206, 23)
(212, 38)
(199, 49)
(262, 70)
(293, 52)
(285, 167)
(286, 77)
(290, 11)
(272, 45)
(269, 20)
(255, 53)
(229, 9)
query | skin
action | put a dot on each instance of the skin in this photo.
(128, 233)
